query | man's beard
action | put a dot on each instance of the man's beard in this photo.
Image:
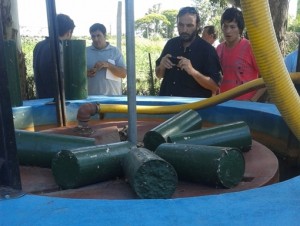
(188, 37)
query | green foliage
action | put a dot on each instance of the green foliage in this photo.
(291, 37)
(143, 62)
(210, 13)
(152, 24)
(156, 23)
(294, 24)
(161, 25)
(171, 16)
(224, 3)
(28, 44)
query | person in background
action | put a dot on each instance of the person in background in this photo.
(43, 65)
(210, 35)
(290, 61)
(188, 65)
(235, 53)
(105, 64)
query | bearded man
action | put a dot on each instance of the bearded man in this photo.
(188, 65)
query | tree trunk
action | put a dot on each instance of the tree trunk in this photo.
(11, 31)
(279, 12)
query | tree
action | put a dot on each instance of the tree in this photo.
(152, 24)
(171, 16)
(210, 13)
(157, 22)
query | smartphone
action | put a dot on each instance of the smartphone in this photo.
(174, 60)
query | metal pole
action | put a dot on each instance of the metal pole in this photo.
(54, 44)
(119, 29)
(152, 91)
(119, 26)
(9, 166)
(130, 60)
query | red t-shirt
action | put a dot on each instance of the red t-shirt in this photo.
(238, 65)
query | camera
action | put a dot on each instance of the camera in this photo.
(174, 60)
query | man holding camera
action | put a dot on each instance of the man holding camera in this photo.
(189, 65)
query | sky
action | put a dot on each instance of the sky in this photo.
(33, 16)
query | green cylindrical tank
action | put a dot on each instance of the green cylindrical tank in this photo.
(12, 66)
(150, 176)
(88, 165)
(38, 149)
(236, 135)
(217, 166)
(186, 120)
(75, 77)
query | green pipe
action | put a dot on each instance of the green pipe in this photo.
(186, 120)
(216, 166)
(12, 66)
(89, 165)
(38, 149)
(75, 78)
(235, 135)
(150, 176)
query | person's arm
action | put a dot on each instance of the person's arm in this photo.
(203, 80)
(116, 70)
(165, 63)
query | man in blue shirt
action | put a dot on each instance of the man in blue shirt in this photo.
(105, 64)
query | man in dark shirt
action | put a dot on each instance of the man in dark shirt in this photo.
(43, 65)
(189, 65)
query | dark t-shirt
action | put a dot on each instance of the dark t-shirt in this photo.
(44, 69)
(203, 57)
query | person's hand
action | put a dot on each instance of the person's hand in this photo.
(91, 72)
(101, 64)
(97, 67)
(166, 62)
(185, 64)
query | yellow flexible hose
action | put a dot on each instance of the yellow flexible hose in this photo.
(270, 62)
(142, 109)
(237, 91)
(271, 65)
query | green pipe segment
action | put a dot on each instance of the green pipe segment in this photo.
(150, 176)
(75, 70)
(12, 67)
(186, 120)
(216, 166)
(38, 149)
(89, 165)
(236, 135)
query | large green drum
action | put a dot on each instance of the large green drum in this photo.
(186, 120)
(12, 67)
(75, 77)
(216, 166)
